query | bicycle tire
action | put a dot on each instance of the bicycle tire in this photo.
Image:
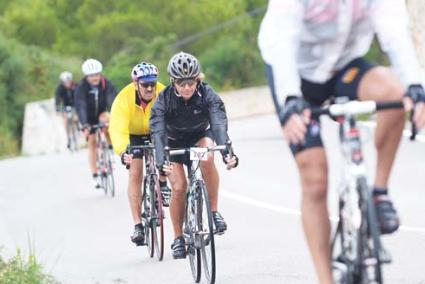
(370, 241)
(146, 217)
(193, 252)
(342, 262)
(207, 240)
(158, 222)
(110, 173)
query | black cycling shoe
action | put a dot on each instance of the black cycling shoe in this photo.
(220, 224)
(179, 248)
(166, 195)
(138, 236)
(386, 214)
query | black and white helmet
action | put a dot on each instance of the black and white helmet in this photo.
(183, 66)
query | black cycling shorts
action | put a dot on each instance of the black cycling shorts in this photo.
(344, 83)
(139, 140)
(187, 142)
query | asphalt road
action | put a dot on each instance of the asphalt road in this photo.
(82, 236)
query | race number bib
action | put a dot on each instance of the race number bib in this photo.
(198, 154)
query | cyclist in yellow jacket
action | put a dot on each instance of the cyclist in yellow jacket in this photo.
(129, 125)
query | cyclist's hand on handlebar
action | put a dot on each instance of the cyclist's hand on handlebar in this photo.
(294, 118)
(231, 162)
(126, 158)
(166, 169)
(415, 101)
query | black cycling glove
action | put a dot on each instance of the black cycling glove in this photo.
(237, 160)
(416, 93)
(293, 105)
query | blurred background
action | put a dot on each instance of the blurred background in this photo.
(47, 206)
(41, 38)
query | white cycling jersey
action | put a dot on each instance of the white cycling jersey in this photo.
(314, 38)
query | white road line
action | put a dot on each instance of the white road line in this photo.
(289, 211)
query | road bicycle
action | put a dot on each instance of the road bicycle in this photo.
(198, 228)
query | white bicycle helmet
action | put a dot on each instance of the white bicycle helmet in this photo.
(145, 71)
(65, 76)
(91, 67)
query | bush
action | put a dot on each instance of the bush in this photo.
(19, 270)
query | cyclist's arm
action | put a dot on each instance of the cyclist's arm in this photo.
(158, 128)
(278, 40)
(391, 21)
(217, 116)
(81, 105)
(119, 124)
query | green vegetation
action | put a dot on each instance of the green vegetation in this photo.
(40, 38)
(20, 270)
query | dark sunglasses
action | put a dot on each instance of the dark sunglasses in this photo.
(182, 82)
(147, 84)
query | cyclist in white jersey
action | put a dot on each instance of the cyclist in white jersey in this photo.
(313, 50)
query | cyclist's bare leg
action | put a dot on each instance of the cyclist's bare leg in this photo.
(135, 178)
(65, 122)
(91, 147)
(104, 118)
(380, 84)
(178, 182)
(210, 173)
(313, 169)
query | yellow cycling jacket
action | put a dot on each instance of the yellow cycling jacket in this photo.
(127, 118)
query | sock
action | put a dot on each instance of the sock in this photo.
(140, 225)
(95, 175)
(379, 191)
(162, 183)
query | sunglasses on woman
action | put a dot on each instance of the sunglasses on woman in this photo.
(182, 82)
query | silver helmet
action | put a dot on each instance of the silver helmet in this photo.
(183, 66)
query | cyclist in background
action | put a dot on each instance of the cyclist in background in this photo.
(188, 112)
(64, 98)
(93, 99)
(314, 50)
(129, 125)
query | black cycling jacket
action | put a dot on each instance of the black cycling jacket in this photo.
(88, 105)
(172, 117)
(64, 97)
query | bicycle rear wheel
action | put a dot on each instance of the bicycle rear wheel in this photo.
(206, 233)
(370, 246)
(193, 251)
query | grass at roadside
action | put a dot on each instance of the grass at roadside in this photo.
(22, 269)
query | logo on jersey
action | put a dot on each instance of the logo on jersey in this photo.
(350, 75)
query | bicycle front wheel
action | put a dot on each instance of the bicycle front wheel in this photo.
(193, 249)
(147, 217)
(370, 246)
(206, 233)
(110, 182)
(157, 217)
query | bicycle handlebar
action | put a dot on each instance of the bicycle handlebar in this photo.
(362, 107)
(100, 125)
(172, 152)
